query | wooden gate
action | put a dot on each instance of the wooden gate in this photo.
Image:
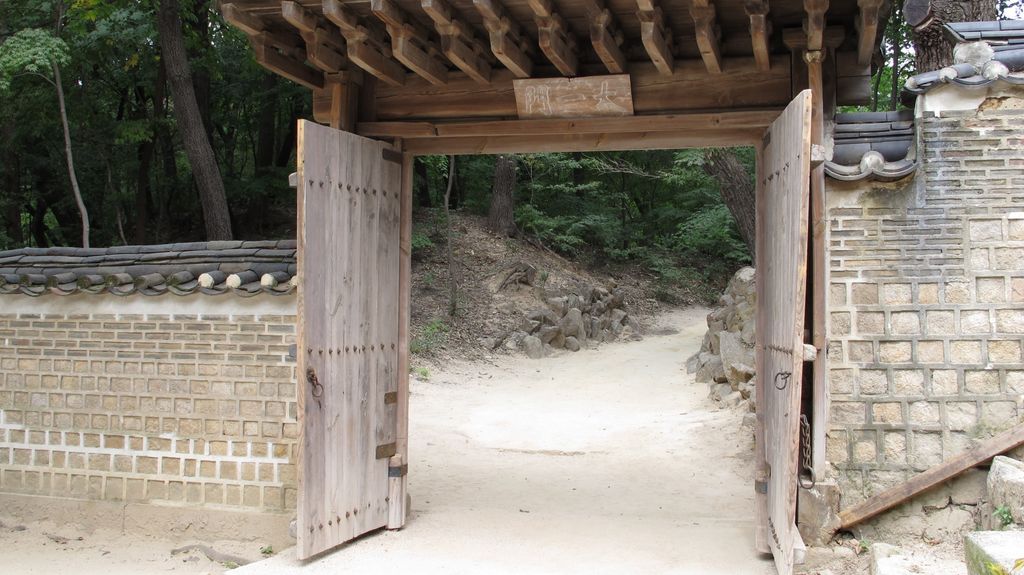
(349, 207)
(783, 195)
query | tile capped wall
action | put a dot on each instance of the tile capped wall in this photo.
(180, 409)
(927, 303)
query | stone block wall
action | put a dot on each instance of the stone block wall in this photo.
(927, 302)
(176, 408)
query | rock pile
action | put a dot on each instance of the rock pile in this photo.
(573, 320)
(726, 359)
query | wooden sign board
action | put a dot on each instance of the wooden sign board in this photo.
(593, 96)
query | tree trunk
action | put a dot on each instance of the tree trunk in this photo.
(932, 49)
(186, 111)
(453, 284)
(501, 217)
(737, 188)
(82, 211)
(422, 180)
(267, 128)
(12, 189)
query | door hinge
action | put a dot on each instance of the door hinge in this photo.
(390, 397)
(399, 471)
(386, 450)
(761, 487)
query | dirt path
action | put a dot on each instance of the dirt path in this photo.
(603, 461)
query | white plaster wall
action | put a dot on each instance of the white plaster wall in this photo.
(226, 304)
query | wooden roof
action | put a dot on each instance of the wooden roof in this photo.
(443, 61)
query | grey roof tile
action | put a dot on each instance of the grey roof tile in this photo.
(152, 269)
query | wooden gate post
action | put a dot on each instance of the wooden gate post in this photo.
(398, 468)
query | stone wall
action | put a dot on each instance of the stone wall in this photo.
(186, 401)
(927, 302)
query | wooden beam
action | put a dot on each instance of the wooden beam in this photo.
(689, 88)
(893, 496)
(554, 37)
(325, 48)
(296, 71)
(364, 48)
(458, 42)
(708, 34)
(733, 120)
(605, 35)
(582, 142)
(814, 25)
(410, 44)
(508, 44)
(867, 30)
(656, 36)
(253, 25)
(760, 32)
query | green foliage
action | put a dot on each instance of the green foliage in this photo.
(267, 550)
(1004, 515)
(420, 372)
(31, 51)
(421, 243)
(711, 233)
(430, 338)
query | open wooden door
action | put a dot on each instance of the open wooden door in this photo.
(348, 336)
(783, 195)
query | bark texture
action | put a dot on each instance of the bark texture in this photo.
(193, 133)
(933, 50)
(501, 217)
(736, 186)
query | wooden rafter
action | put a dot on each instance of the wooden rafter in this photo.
(458, 42)
(554, 37)
(656, 36)
(269, 57)
(282, 54)
(410, 43)
(606, 36)
(325, 48)
(708, 33)
(815, 23)
(365, 49)
(508, 44)
(867, 28)
(760, 32)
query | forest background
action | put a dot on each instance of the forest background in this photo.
(148, 121)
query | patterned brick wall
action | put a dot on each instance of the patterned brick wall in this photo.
(927, 303)
(176, 408)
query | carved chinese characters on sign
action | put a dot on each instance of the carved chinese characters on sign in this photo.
(574, 97)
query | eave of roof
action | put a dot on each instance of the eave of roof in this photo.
(873, 146)
(974, 66)
(244, 268)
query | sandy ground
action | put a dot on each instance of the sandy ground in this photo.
(46, 548)
(604, 461)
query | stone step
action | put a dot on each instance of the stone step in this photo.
(989, 551)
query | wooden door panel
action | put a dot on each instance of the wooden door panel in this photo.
(782, 204)
(348, 266)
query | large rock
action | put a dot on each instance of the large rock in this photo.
(533, 346)
(989, 552)
(711, 372)
(737, 358)
(572, 344)
(572, 323)
(1006, 487)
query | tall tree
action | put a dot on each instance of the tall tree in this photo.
(932, 48)
(737, 188)
(205, 170)
(501, 216)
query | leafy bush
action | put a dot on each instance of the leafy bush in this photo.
(711, 233)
